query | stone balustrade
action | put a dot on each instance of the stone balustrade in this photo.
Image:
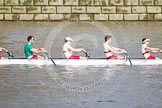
(80, 10)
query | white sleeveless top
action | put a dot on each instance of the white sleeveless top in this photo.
(107, 51)
(66, 51)
(146, 53)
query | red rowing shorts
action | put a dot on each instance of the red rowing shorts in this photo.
(34, 57)
(151, 57)
(112, 57)
(74, 57)
(0, 57)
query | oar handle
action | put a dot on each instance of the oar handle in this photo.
(10, 55)
(87, 55)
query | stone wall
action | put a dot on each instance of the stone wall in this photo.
(75, 10)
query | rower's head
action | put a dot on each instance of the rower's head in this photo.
(30, 39)
(68, 40)
(107, 38)
(145, 41)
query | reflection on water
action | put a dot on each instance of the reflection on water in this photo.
(26, 86)
(78, 79)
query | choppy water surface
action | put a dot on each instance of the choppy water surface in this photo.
(118, 86)
(26, 86)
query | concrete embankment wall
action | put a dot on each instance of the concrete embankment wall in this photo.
(80, 10)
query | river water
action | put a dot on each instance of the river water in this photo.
(26, 86)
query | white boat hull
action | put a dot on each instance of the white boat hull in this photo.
(80, 62)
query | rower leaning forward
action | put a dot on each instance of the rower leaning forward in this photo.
(146, 50)
(30, 52)
(68, 49)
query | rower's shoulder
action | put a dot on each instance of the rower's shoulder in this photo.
(143, 45)
(104, 44)
(66, 44)
(27, 45)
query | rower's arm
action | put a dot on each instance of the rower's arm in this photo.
(40, 50)
(113, 49)
(116, 50)
(155, 50)
(3, 49)
(77, 49)
(0, 48)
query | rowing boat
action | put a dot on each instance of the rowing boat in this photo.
(94, 61)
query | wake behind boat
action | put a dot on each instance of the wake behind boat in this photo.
(91, 61)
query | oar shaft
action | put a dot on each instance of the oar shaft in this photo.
(128, 57)
(53, 62)
(50, 59)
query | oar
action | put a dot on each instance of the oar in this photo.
(10, 55)
(128, 58)
(50, 58)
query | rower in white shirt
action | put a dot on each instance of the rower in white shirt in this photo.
(146, 50)
(68, 49)
(109, 50)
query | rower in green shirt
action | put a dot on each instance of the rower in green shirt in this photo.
(29, 50)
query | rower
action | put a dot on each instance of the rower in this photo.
(146, 51)
(3, 49)
(68, 49)
(109, 49)
(29, 50)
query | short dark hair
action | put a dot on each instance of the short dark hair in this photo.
(29, 38)
(107, 37)
(143, 40)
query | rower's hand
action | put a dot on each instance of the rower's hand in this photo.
(3, 49)
(122, 50)
(160, 51)
(42, 50)
(156, 50)
(83, 50)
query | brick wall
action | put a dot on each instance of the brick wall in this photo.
(75, 10)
